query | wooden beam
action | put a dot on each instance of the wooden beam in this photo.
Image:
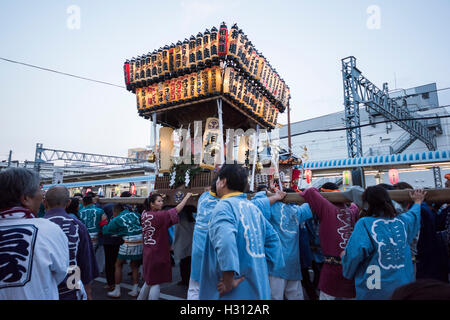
(433, 195)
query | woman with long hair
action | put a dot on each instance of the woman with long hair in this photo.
(73, 208)
(377, 255)
(156, 263)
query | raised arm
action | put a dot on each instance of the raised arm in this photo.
(183, 202)
(278, 196)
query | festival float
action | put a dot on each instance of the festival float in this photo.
(203, 86)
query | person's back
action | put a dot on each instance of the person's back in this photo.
(285, 219)
(238, 232)
(34, 259)
(91, 216)
(378, 255)
(432, 259)
(34, 251)
(206, 204)
(336, 225)
(81, 252)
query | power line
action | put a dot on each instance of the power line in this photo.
(62, 73)
(364, 125)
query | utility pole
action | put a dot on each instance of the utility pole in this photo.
(289, 129)
(9, 158)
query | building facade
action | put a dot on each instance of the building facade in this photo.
(377, 139)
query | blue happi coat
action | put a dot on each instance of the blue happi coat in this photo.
(378, 255)
(285, 219)
(240, 239)
(206, 204)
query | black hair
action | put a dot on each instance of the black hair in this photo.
(236, 175)
(87, 200)
(213, 184)
(119, 207)
(17, 182)
(146, 205)
(78, 195)
(125, 194)
(90, 193)
(188, 213)
(73, 206)
(386, 186)
(290, 190)
(380, 203)
(423, 289)
(402, 186)
(330, 186)
(153, 198)
(261, 187)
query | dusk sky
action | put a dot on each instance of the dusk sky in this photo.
(402, 42)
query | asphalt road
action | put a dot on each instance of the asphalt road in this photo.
(169, 291)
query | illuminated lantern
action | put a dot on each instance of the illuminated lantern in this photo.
(178, 86)
(199, 51)
(214, 40)
(151, 157)
(193, 86)
(393, 176)
(223, 40)
(154, 66)
(126, 73)
(173, 87)
(137, 71)
(165, 62)
(166, 147)
(218, 79)
(133, 189)
(148, 69)
(346, 177)
(117, 190)
(207, 47)
(138, 98)
(143, 69)
(132, 68)
(192, 64)
(184, 58)
(185, 88)
(232, 42)
(308, 176)
(159, 64)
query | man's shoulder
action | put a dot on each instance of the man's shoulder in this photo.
(46, 227)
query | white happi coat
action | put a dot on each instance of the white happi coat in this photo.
(34, 258)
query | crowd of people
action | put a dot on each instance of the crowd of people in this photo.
(231, 246)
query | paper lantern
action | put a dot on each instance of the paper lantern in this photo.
(308, 176)
(133, 189)
(346, 177)
(393, 176)
(166, 147)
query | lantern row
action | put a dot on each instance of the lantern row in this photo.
(207, 83)
(206, 50)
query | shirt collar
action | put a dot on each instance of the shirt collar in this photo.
(56, 212)
(17, 213)
(232, 194)
(213, 194)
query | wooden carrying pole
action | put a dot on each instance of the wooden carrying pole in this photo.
(433, 195)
